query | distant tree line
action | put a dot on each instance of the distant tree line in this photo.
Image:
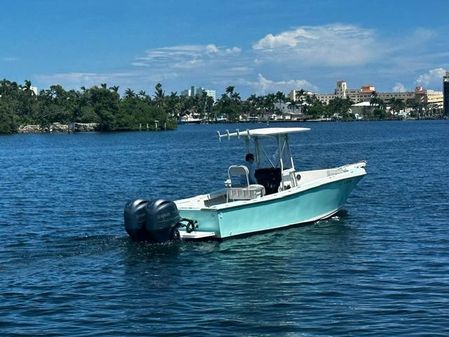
(19, 105)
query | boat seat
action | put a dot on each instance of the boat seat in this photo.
(238, 186)
(289, 179)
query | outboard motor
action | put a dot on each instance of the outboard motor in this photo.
(136, 219)
(154, 221)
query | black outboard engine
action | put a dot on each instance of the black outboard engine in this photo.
(153, 221)
(136, 218)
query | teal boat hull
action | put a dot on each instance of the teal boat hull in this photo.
(289, 208)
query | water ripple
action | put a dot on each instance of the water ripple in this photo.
(380, 267)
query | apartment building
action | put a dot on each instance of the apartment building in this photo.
(194, 91)
(367, 92)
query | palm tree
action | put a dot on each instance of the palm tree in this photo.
(27, 88)
(202, 100)
(144, 96)
(293, 105)
(159, 95)
(280, 98)
(299, 96)
(396, 105)
(252, 104)
(269, 102)
(230, 90)
(158, 92)
(129, 93)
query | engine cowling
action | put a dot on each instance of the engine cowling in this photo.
(154, 221)
(135, 215)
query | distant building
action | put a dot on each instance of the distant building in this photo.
(446, 93)
(196, 91)
(211, 93)
(367, 92)
(287, 108)
(288, 112)
(434, 99)
(361, 109)
(298, 95)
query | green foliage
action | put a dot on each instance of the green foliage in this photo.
(103, 105)
(229, 105)
(315, 108)
(7, 122)
(339, 106)
(396, 104)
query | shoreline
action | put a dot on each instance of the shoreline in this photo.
(316, 121)
(57, 128)
(94, 127)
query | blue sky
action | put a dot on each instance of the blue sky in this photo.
(257, 46)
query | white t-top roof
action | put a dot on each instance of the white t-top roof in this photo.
(264, 132)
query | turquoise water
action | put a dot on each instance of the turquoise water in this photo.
(380, 268)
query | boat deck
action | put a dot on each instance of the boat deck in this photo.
(217, 200)
(303, 180)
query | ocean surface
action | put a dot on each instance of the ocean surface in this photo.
(378, 268)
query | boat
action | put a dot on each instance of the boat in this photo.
(190, 120)
(282, 197)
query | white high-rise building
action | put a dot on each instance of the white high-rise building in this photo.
(193, 91)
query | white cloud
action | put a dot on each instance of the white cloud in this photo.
(184, 56)
(286, 39)
(140, 64)
(263, 85)
(399, 87)
(87, 79)
(328, 45)
(432, 77)
(322, 54)
(175, 66)
(233, 50)
(211, 48)
(203, 65)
